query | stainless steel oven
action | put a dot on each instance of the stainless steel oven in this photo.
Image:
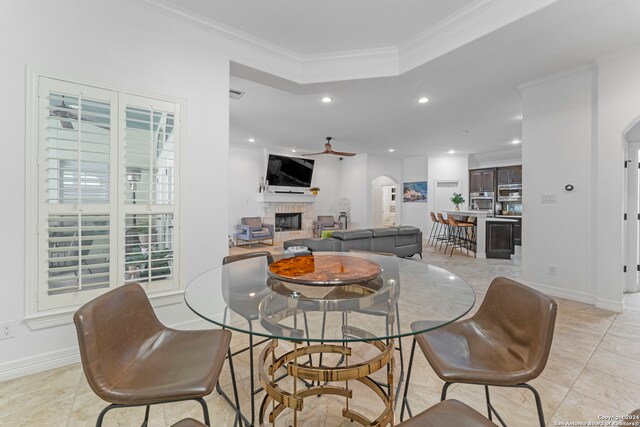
(481, 201)
(510, 193)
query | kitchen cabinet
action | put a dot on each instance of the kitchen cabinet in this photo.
(482, 180)
(510, 175)
(517, 233)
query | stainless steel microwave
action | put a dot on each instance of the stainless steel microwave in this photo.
(510, 193)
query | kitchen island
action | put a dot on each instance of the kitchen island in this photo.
(501, 236)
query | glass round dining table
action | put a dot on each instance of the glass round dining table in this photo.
(319, 307)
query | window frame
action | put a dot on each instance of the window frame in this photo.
(170, 292)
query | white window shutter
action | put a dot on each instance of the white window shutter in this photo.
(107, 199)
(150, 147)
(77, 158)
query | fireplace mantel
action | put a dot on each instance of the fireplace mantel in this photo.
(285, 198)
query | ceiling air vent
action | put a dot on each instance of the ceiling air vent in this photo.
(235, 94)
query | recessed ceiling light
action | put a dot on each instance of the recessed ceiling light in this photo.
(519, 116)
(327, 99)
(252, 140)
(451, 151)
(464, 132)
(293, 150)
(516, 141)
(423, 100)
(391, 150)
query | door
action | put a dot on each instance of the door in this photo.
(388, 205)
(632, 225)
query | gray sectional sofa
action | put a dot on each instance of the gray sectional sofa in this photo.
(403, 240)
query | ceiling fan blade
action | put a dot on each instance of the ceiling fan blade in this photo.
(313, 154)
(342, 153)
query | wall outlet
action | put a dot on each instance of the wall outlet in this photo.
(551, 269)
(7, 329)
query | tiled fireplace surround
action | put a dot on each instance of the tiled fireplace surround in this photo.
(268, 212)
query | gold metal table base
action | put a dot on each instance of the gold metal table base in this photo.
(281, 399)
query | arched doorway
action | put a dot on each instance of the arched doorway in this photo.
(384, 201)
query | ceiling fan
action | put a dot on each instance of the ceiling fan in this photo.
(329, 150)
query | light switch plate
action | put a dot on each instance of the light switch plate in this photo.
(548, 198)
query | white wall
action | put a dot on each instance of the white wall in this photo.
(618, 96)
(247, 165)
(573, 131)
(448, 168)
(327, 176)
(130, 50)
(415, 169)
(557, 151)
(495, 159)
(356, 187)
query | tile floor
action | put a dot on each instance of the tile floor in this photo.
(591, 372)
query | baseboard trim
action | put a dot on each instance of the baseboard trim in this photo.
(39, 363)
(577, 296)
(59, 358)
(562, 293)
(606, 304)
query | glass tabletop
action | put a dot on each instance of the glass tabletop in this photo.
(408, 297)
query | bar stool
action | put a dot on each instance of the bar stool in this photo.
(436, 228)
(472, 232)
(445, 230)
(506, 343)
(459, 235)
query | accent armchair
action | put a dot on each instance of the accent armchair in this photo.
(253, 230)
(325, 222)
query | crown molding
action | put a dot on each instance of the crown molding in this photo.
(617, 53)
(352, 55)
(457, 29)
(452, 21)
(215, 27)
(349, 65)
(567, 71)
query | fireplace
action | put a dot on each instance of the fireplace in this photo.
(288, 221)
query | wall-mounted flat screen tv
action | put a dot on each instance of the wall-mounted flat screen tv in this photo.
(289, 171)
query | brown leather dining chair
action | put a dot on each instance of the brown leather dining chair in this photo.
(448, 413)
(131, 359)
(505, 344)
